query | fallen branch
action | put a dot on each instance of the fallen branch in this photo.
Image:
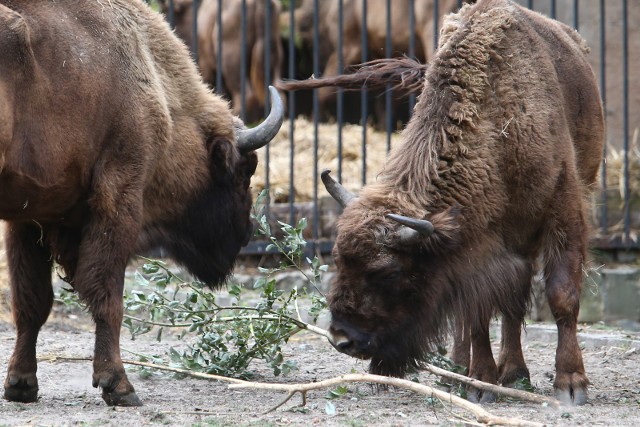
(504, 391)
(480, 413)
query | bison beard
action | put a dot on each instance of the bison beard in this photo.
(508, 131)
(110, 143)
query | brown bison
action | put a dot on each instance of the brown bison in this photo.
(504, 143)
(110, 144)
(256, 19)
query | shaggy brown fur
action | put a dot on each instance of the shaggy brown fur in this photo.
(109, 144)
(501, 150)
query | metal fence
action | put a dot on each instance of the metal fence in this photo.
(610, 28)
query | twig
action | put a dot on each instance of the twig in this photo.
(505, 391)
(200, 375)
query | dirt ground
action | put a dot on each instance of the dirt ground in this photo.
(612, 360)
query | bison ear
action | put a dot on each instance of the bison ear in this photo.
(14, 33)
(222, 155)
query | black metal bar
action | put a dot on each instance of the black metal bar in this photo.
(316, 111)
(259, 247)
(292, 109)
(194, 42)
(625, 117)
(340, 93)
(412, 47)
(603, 95)
(219, 88)
(363, 94)
(436, 15)
(576, 15)
(171, 17)
(267, 96)
(553, 9)
(530, 4)
(243, 60)
(389, 91)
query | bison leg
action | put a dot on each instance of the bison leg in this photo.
(106, 244)
(461, 351)
(32, 296)
(511, 364)
(564, 257)
(564, 276)
(482, 367)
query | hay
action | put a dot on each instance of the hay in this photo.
(303, 134)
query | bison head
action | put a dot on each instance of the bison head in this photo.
(384, 302)
(217, 224)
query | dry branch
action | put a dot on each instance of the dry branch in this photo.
(504, 391)
(480, 413)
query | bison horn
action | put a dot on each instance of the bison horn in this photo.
(414, 228)
(259, 136)
(337, 191)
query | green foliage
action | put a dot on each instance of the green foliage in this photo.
(224, 339)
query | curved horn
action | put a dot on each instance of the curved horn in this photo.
(259, 136)
(414, 229)
(337, 191)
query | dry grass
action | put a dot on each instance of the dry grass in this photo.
(327, 158)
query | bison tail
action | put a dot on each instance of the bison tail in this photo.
(403, 74)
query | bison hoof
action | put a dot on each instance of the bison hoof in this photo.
(116, 390)
(21, 388)
(121, 399)
(574, 396)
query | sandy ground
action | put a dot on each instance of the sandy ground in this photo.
(612, 360)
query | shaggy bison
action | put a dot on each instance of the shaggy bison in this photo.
(504, 143)
(109, 144)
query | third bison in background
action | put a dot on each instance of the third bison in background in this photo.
(492, 174)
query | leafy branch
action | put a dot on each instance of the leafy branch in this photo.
(219, 338)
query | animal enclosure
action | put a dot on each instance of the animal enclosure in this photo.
(320, 38)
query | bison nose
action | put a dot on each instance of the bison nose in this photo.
(343, 344)
(349, 342)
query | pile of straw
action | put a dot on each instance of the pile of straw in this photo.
(303, 157)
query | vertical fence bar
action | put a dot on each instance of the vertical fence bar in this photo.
(625, 118)
(436, 14)
(267, 96)
(219, 88)
(171, 16)
(363, 94)
(576, 15)
(389, 91)
(553, 9)
(194, 43)
(316, 108)
(412, 47)
(603, 95)
(243, 59)
(340, 94)
(530, 4)
(292, 108)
